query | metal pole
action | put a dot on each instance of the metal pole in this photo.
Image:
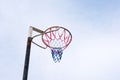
(27, 58)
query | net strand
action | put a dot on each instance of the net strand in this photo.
(52, 33)
(57, 54)
(57, 41)
(62, 37)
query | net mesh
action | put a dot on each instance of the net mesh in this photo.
(56, 54)
(57, 43)
(57, 39)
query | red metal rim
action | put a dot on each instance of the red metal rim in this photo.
(57, 27)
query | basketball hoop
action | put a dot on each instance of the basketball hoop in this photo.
(57, 39)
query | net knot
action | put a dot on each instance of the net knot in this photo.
(56, 54)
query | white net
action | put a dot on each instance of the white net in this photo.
(57, 39)
(57, 43)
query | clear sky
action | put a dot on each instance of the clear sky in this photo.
(94, 53)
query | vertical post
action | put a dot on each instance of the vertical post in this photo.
(27, 56)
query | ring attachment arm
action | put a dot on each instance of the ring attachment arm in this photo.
(39, 45)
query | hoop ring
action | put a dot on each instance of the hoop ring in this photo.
(49, 30)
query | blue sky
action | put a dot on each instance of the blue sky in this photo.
(94, 53)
